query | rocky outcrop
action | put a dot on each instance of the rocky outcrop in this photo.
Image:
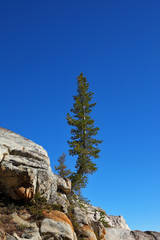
(149, 235)
(57, 225)
(95, 219)
(25, 173)
(119, 234)
(25, 170)
(85, 232)
(30, 229)
(124, 234)
(94, 214)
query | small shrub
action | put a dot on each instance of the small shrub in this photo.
(40, 199)
(80, 201)
(56, 207)
(21, 227)
(71, 216)
(102, 219)
(38, 204)
(6, 219)
(35, 211)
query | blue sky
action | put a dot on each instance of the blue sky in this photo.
(44, 46)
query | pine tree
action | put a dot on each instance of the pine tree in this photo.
(62, 168)
(83, 144)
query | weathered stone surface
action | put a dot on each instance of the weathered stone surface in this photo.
(80, 216)
(57, 216)
(94, 214)
(99, 230)
(20, 221)
(123, 234)
(29, 235)
(64, 185)
(60, 226)
(156, 235)
(30, 229)
(138, 235)
(25, 193)
(9, 237)
(87, 227)
(57, 229)
(85, 232)
(20, 146)
(117, 222)
(118, 234)
(25, 170)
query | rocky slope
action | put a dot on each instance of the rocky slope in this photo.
(39, 204)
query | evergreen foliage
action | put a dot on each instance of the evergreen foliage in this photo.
(83, 144)
(62, 168)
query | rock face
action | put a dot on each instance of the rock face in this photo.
(86, 232)
(94, 214)
(119, 234)
(57, 225)
(123, 234)
(90, 216)
(31, 229)
(149, 235)
(25, 170)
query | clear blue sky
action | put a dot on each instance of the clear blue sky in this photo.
(44, 46)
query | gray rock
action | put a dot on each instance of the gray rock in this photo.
(27, 235)
(31, 231)
(80, 215)
(156, 235)
(63, 184)
(117, 222)
(123, 234)
(138, 235)
(56, 230)
(32, 236)
(118, 234)
(9, 237)
(25, 170)
(85, 232)
(20, 146)
(88, 215)
(99, 230)
(94, 214)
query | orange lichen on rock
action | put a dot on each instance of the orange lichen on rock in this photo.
(103, 234)
(25, 193)
(87, 232)
(57, 216)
